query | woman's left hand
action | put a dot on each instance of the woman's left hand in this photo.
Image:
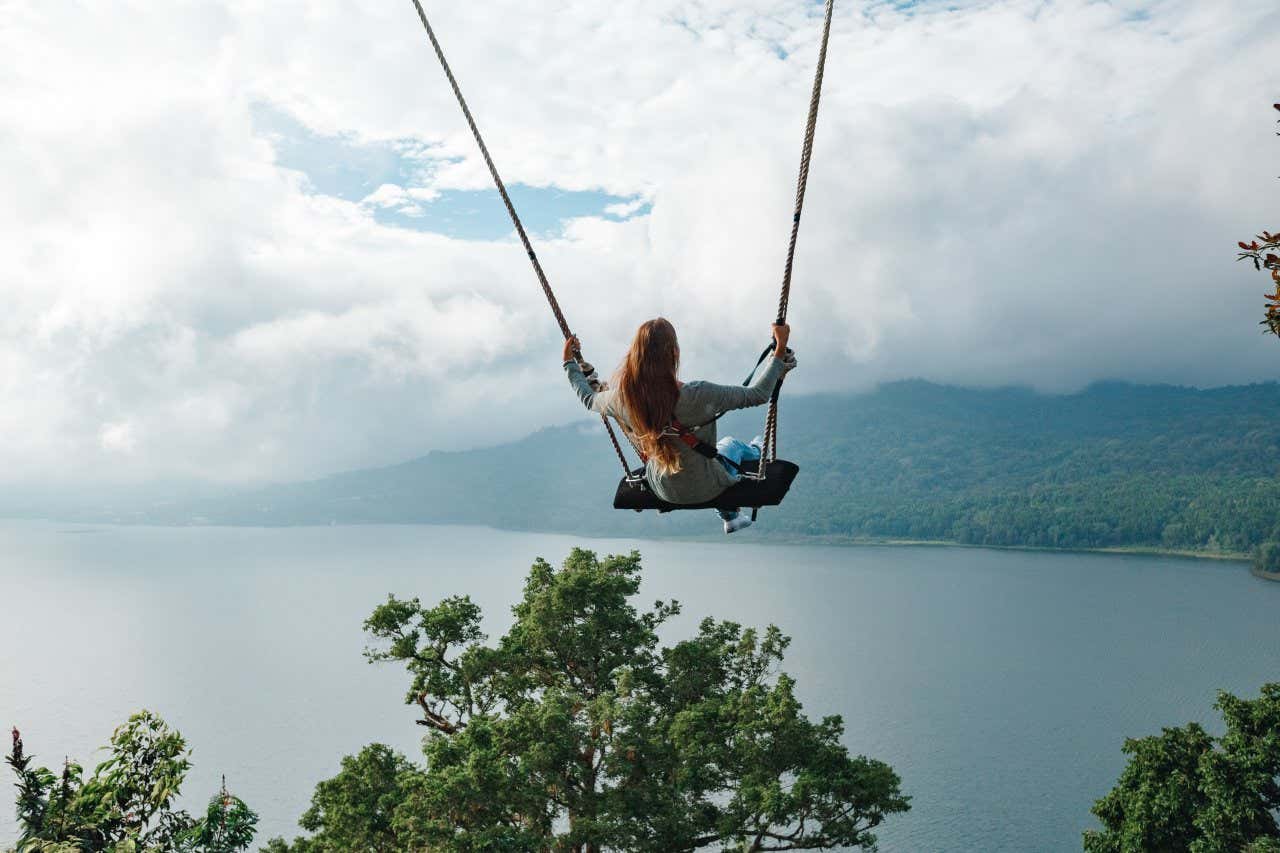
(572, 346)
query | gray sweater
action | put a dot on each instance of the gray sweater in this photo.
(699, 479)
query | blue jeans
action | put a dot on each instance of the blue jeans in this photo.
(739, 452)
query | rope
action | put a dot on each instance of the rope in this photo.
(770, 450)
(806, 154)
(515, 218)
(493, 170)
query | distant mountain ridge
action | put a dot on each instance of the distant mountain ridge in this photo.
(1114, 466)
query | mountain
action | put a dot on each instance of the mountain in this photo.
(1116, 465)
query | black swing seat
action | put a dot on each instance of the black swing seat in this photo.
(747, 492)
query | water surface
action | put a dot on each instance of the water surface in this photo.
(1000, 685)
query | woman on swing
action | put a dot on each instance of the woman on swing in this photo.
(648, 399)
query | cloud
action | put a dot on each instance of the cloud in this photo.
(1002, 191)
(624, 209)
(403, 200)
(119, 438)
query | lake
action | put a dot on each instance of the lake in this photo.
(999, 684)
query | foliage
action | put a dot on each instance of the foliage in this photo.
(1262, 253)
(1185, 790)
(354, 810)
(577, 731)
(228, 825)
(1267, 558)
(127, 803)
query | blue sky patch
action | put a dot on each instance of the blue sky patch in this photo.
(394, 181)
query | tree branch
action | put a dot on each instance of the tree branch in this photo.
(435, 720)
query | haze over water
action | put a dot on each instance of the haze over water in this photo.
(1000, 685)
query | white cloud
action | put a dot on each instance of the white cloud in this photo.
(119, 438)
(1002, 191)
(405, 200)
(626, 208)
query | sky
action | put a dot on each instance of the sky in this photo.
(252, 240)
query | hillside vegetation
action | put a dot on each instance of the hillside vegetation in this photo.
(1114, 466)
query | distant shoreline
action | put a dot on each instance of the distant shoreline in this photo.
(1131, 550)
(777, 539)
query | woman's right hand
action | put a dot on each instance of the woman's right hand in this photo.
(572, 346)
(781, 334)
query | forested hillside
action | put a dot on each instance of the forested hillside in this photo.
(1116, 465)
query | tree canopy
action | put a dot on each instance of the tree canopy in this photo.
(578, 731)
(1185, 791)
(126, 804)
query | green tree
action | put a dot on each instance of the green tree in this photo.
(228, 825)
(127, 803)
(578, 732)
(1185, 790)
(1267, 557)
(354, 810)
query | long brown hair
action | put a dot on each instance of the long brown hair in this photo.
(647, 387)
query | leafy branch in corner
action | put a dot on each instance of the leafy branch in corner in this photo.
(1264, 252)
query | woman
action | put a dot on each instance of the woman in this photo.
(647, 398)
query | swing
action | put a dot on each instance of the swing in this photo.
(762, 483)
(752, 491)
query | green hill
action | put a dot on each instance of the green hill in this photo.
(1116, 465)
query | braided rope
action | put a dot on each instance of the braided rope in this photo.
(806, 155)
(770, 450)
(493, 170)
(515, 219)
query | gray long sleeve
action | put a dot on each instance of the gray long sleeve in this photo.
(699, 401)
(709, 399)
(595, 401)
(699, 478)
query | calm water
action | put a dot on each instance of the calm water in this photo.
(998, 684)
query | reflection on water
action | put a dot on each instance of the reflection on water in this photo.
(1000, 685)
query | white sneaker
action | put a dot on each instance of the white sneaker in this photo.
(741, 521)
